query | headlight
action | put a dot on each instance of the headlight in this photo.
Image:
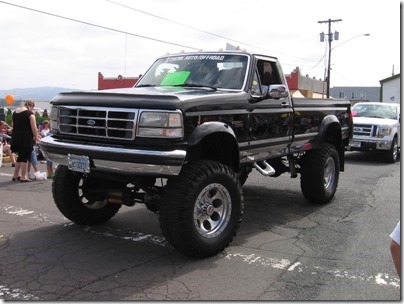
(53, 118)
(160, 124)
(383, 131)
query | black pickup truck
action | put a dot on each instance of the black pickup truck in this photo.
(185, 138)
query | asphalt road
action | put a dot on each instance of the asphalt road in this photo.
(286, 248)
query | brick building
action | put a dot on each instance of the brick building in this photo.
(105, 83)
(304, 86)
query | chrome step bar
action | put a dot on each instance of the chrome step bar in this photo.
(264, 168)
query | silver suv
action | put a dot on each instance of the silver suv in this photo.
(377, 128)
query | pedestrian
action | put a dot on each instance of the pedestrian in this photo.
(395, 248)
(33, 162)
(24, 137)
(46, 132)
(5, 137)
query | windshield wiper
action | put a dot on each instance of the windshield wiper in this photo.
(190, 85)
(145, 85)
(375, 116)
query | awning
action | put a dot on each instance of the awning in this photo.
(296, 94)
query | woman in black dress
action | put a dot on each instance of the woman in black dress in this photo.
(25, 136)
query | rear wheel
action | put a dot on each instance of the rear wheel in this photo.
(320, 174)
(80, 199)
(202, 209)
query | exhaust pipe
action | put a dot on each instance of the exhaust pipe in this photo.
(126, 198)
(264, 168)
(115, 198)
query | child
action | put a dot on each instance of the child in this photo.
(45, 132)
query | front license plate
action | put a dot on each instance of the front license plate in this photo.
(78, 163)
(356, 144)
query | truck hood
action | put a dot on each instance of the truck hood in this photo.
(150, 97)
(181, 93)
(374, 121)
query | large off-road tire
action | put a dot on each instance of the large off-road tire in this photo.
(78, 199)
(391, 155)
(202, 209)
(320, 174)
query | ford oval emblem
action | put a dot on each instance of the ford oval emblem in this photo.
(91, 122)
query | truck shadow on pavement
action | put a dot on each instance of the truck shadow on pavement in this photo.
(273, 215)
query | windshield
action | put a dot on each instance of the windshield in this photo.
(374, 111)
(216, 71)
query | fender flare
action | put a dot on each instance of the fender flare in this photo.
(208, 128)
(324, 127)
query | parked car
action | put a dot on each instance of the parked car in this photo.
(377, 128)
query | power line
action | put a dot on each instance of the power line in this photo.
(175, 22)
(142, 36)
(199, 30)
(96, 25)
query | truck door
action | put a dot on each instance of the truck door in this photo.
(269, 119)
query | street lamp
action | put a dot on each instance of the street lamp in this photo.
(329, 59)
(330, 38)
(360, 35)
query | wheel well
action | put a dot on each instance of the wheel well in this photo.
(220, 147)
(333, 135)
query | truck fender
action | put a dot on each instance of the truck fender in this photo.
(330, 132)
(208, 128)
(330, 123)
(220, 145)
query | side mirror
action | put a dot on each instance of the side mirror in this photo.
(278, 91)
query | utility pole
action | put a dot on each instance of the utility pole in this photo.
(330, 38)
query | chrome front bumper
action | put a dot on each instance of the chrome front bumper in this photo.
(369, 144)
(120, 160)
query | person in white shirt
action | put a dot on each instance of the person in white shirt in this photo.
(45, 128)
(45, 132)
(395, 249)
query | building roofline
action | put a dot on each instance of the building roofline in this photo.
(390, 78)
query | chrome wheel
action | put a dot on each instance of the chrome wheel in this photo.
(329, 173)
(212, 210)
(395, 150)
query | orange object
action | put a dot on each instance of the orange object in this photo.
(9, 99)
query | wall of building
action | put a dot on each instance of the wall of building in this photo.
(391, 89)
(356, 93)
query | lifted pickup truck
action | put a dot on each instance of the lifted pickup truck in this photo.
(377, 128)
(184, 140)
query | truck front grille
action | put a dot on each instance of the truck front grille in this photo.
(365, 130)
(109, 123)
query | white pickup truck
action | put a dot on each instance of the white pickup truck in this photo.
(377, 128)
